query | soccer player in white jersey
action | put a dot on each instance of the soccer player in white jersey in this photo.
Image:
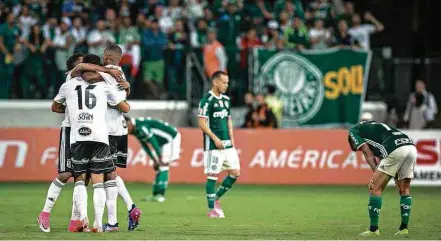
(117, 139)
(64, 165)
(90, 149)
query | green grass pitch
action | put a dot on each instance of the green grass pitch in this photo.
(252, 212)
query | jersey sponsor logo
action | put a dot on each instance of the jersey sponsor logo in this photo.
(403, 141)
(299, 84)
(84, 131)
(220, 114)
(85, 117)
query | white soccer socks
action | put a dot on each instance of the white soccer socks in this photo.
(99, 203)
(122, 191)
(52, 195)
(111, 197)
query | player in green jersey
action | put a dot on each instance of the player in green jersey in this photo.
(397, 155)
(162, 142)
(219, 151)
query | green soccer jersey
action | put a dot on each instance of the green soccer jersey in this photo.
(381, 138)
(155, 132)
(217, 111)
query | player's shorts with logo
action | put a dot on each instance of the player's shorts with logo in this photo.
(170, 152)
(401, 161)
(64, 154)
(91, 157)
(118, 149)
(216, 161)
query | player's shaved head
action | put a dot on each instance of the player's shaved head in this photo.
(74, 60)
(92, 59)
(112, 55)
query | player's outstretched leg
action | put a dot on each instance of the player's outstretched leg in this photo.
(160, 185)
(111, 197)
(134, 212)
(376, 187)
(405, 205)
(51, 197)
(226, 185)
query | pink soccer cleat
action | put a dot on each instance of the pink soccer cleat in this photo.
(218, 209)
(134, 217)
(213, 214)
(83, 225)
(73, 224)
(44, 221)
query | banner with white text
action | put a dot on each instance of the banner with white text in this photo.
(267, 157)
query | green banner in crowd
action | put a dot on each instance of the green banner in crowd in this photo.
(323, 88)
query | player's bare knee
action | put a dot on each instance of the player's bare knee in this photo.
(235, 173)
(64, 176)
(81, 178)
(97, 178)
(375, 190)
(110, 176)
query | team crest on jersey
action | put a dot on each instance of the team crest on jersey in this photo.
(221, 104)
(84, 131)
(299, 84)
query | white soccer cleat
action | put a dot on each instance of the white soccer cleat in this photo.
(218, 209)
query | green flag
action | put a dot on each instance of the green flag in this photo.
(319, 88)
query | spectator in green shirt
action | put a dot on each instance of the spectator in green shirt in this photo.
(129, 41)
(9, 37)
(297, 36)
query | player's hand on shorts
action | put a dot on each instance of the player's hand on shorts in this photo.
(115, 73)
(123, 85)
(218, 143)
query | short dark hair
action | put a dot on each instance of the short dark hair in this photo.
(72, 61)
(271, 89)
(92, 59)
(114, 48)
(217, 74)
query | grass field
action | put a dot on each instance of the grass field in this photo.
(252, 212)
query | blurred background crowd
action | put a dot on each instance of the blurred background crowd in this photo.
(37, 37)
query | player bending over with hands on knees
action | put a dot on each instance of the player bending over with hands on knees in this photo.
(162, 142)
(397, 155)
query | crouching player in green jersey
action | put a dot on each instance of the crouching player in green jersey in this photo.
(162, 142)
(219, 152)
(397, 155)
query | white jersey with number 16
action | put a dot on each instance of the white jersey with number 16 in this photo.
(87, 105)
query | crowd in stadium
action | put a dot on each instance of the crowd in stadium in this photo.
(37, 36)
